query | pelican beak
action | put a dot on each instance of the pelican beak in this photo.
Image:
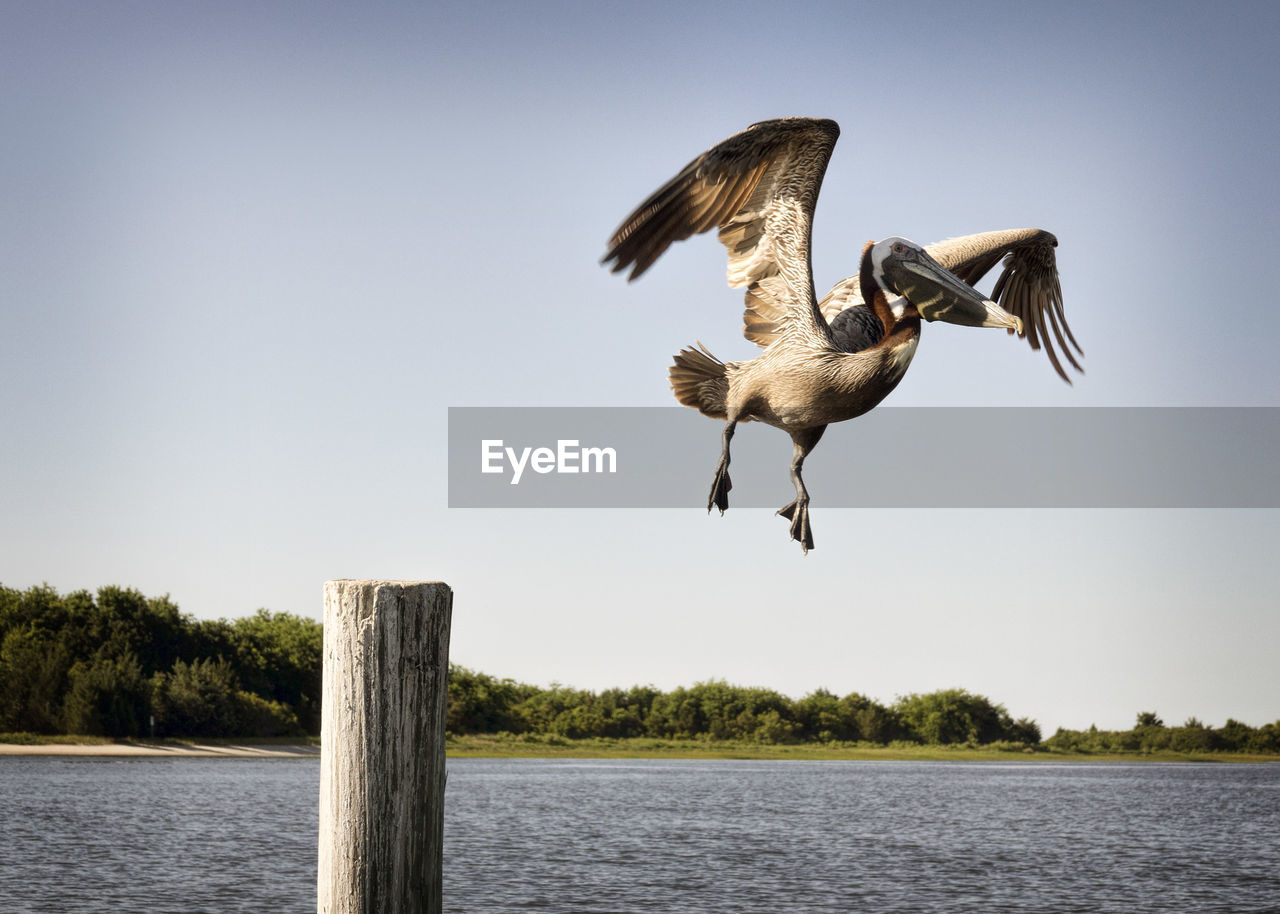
(940, 295)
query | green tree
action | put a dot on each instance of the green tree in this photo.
(1193, 736)
(258, 716)
(625, 712)
(10, 609)
(736, 712)
(1234, 736)
(279, 657)
(818, 716)
(772, 727)
(1023, 730)
(1149, 733)
(126, 623)
(210, 638)
(106, 697)
(676, 714)
(578, 721)
(952, 716)
(480, 703)
(1266, 739)
(33, 680)
(195, 699)
(559, 710)
(869, 721)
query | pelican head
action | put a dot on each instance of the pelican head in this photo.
(904, 268)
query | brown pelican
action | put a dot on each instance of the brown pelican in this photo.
(830, 360)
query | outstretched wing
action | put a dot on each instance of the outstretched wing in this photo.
(764, 318)
(759, 188)
(1028, 287)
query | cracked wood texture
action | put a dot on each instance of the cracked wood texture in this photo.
(386, 664)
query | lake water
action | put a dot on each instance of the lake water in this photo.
(228, 835)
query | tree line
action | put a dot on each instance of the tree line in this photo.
(480, 703)
(1149, 734)
(110, 663)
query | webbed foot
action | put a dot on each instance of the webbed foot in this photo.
(720, 486)
(798, 513)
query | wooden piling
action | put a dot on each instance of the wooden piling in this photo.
(386, 662)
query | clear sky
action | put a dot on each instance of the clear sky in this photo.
(250, 253)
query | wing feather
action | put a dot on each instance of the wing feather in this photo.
(759, 188)
(1028, 286)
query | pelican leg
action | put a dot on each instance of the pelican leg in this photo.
(798, 511)
(720, 486)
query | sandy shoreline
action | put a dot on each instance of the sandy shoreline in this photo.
(161, 750)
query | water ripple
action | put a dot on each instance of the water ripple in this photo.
(625, 837)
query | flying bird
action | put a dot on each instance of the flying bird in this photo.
(836, 358)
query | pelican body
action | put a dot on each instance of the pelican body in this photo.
(830, 360)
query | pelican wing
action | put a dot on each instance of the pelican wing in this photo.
(1027, 287)
(759, 188)
(853, 325)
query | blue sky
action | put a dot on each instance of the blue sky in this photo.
(250, 255)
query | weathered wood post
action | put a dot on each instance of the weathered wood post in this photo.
(386, 665)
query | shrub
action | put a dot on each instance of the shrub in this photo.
(956, 716)
(107, 697)
(196, 699)
(258, 716)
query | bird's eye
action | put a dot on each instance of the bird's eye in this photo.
(898, 247)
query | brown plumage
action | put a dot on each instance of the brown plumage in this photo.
(830, 360)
